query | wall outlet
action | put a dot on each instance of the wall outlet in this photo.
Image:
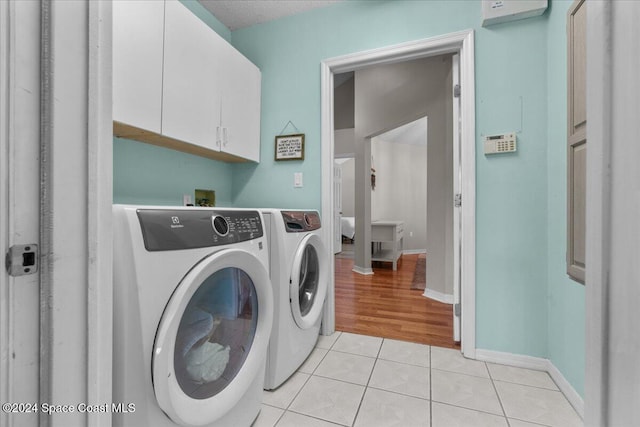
(297, 180)
(186, 200)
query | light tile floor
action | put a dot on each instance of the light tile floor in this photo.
(362, 381)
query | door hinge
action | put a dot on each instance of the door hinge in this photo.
(457, 200)
(456, 309)
(21, 260)
(456, 91)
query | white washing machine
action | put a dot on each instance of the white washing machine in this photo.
(299, 275)
(193, 309)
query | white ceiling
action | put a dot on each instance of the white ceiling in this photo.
(235, 14)
(414, 133)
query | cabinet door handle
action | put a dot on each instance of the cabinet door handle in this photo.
(225, 137)
(218, 136)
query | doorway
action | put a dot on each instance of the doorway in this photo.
(461, 43)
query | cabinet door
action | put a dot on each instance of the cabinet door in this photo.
(138, 28)
(577, 140)
(191, 97)
(241, 83)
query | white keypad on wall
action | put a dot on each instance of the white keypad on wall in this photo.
(503, 143)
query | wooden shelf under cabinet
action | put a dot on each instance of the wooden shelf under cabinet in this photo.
(123, 130)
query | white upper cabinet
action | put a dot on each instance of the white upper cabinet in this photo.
(206, 95)
(138, 28)
(241, 81)
(191, 91)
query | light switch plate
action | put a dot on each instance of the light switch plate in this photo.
(297, 179)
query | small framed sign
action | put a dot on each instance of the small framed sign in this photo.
(290, 147)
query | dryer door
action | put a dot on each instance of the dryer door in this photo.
(308, 281)
(212, 338)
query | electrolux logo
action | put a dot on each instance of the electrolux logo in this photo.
(175, 222)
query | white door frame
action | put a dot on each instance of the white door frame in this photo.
(463, 43)
(613, 205)
(457, 189)
(19, 205)
(56, 135)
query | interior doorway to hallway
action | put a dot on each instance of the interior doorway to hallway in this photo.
(410, 186)
(461, 43)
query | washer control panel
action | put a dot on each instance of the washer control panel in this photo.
(166, 230)
(297, 221)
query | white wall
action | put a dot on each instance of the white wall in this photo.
(401, 188)
(348, 196)
(343, 101)
(344, 142)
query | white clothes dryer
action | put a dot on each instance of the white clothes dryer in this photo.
(193, 310)
(299, 275)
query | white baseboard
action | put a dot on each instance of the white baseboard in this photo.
(360, 270)
(414, 251)
(438, 296)
(511, 359)
(538, 364)
(572, 395)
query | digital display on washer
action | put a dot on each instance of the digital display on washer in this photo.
(166, 230)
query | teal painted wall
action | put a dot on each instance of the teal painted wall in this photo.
(522, 294)
(149, 175)
(511, 196)
(289, 52)
(566, 327)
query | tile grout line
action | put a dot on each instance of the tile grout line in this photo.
(529, 385)
(430, 390)
(481, 411)
(535, 423)
(355, 354)
(376, 358)
(557, 388)
(315, 418)
(394, 392)
(461, 373)
(493, 384)
(313, 371)
(367, 384)
(300, 390)
(366, 387)
(279, 418)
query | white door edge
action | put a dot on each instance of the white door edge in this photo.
(457, 173)
(337, 212)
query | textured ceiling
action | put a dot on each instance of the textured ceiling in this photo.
(237, 14)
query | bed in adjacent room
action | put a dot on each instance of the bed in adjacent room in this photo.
(348, 224)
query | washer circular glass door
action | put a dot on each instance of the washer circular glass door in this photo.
(308, 281)
(212, 338)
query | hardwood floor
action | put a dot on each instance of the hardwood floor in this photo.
(383, 305)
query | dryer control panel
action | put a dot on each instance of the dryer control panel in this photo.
(298, 221)
(168, 230)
